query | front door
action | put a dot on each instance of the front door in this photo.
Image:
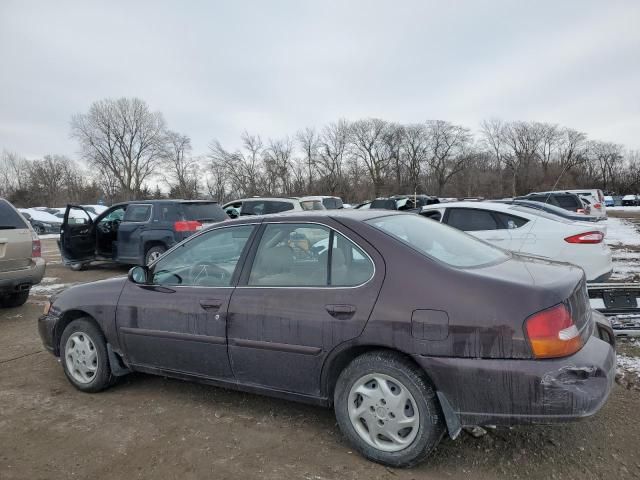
(77, 235)
(178, 321)
(307, 290)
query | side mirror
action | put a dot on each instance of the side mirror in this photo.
(232, 213)
(139, 274)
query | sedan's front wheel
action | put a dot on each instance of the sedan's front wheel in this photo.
(84, 357)
(387, 409)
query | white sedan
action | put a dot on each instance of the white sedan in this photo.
(525, 230)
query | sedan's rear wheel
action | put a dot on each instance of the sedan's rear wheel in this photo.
(15, 299)
(388, 410)
(84, 356)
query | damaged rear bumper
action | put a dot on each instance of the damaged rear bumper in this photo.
(510, 392)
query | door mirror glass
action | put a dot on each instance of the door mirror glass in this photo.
(139, 274)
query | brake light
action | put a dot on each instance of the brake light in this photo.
(187, 226)
(36, 247)
(587, 237)
(597, 206)
(552, 333)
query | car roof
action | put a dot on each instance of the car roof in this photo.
(315, 215)
(163, 200)
(495, 206)
(248, 199)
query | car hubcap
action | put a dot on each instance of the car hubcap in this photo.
(153, 256)
(81, 357)
(383, 412)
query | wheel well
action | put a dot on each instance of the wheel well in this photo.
(339, 362)
(153, 243)
(66, 319)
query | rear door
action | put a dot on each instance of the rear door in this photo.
(15, 239)
(480, 223)
(297, 300)
(135, 221)
(77, 235)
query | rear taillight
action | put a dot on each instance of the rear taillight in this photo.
(580, 210)
(36, 247)
(187, 226)
(587, 237)
(597, 206)
(552, 333)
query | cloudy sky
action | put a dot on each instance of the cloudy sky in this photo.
(217, 68)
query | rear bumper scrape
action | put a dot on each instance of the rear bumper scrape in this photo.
(510, 392)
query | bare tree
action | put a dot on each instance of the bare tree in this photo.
(182, 176)
(309, 142)
(448, 146)
(367, 140)
(13, 173)
(123, 138)
(332, 148)
(415, 148)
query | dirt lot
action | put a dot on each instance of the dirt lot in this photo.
(151, 427)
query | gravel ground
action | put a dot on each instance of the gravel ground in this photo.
(152, 427)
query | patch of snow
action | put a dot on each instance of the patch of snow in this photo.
(46, 280)
(621, 232)
(623, 209)
(629, 364)
(48, 289)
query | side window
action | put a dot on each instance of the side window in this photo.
(568, 202)
(168, 212)
(137, 213)
(209, 260)
(9, 218)
(113, 216)
(264, 207)
(470, 220)
(511, 221)
(350, 266)
(291, 255)
(432, 214)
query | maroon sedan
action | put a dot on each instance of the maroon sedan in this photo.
(407, 327)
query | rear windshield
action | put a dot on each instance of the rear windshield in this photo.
(439, 241)
(264, 207)
(9, 218)
(312, 205)
(384, 204)
(204, 212)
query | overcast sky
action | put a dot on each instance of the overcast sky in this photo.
(215, 69)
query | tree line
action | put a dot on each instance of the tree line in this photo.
(128, 152)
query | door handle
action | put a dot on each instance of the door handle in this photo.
(213, 305)
(341, 311)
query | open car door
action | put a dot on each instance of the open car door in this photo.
(77, 236)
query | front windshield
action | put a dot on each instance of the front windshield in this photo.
(440, 242)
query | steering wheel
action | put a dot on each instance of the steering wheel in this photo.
(208, 274)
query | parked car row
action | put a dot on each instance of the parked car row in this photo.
(401, 364)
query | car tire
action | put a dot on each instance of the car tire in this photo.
(84, 358)
(153, 253)
(410, 399)
(15, 299)
(76, 267)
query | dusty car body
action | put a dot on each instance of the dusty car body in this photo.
(450, 332)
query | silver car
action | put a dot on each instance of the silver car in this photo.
(21, 262)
